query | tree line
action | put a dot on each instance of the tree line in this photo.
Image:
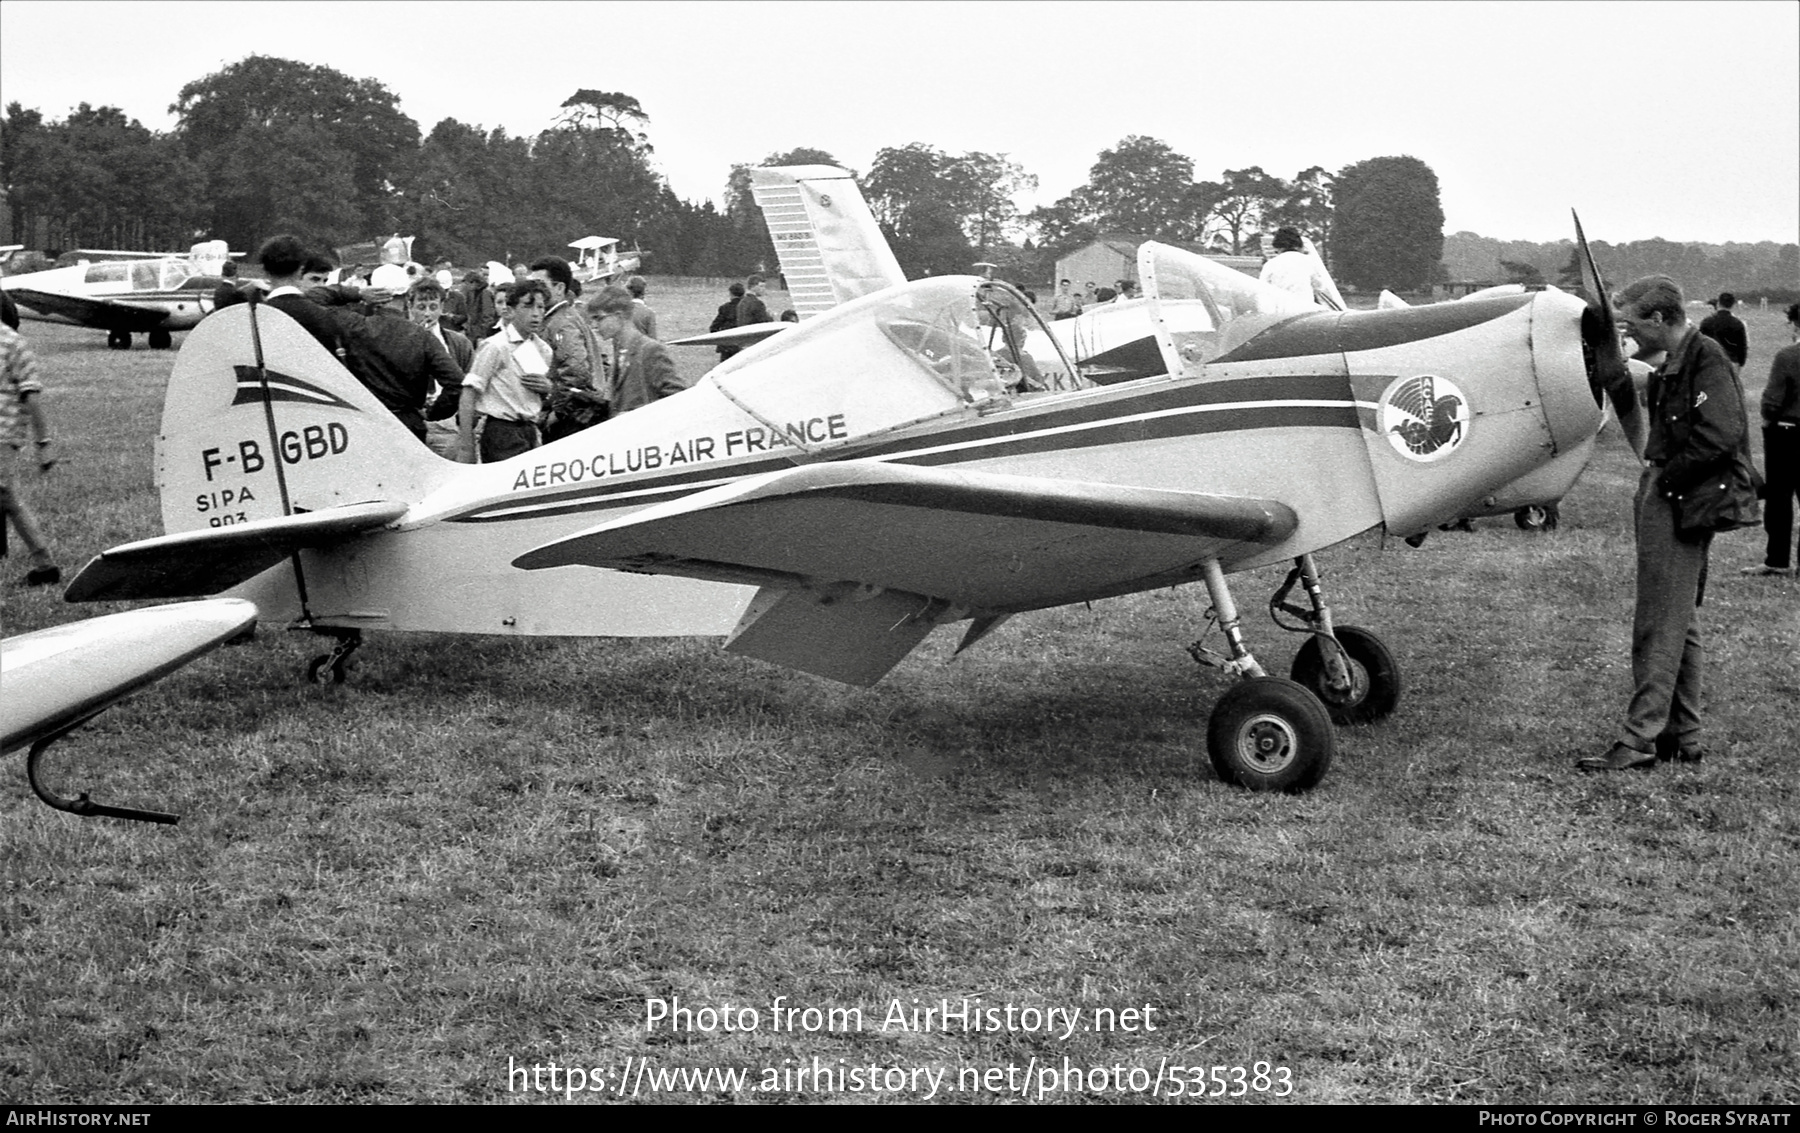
(269, 145)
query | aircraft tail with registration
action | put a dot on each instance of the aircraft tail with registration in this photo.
(284, 481)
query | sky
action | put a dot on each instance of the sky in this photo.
(1678, 120)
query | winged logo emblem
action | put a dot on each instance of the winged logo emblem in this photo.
(1424, 417)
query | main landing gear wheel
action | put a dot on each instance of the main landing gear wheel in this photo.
(118, 339)
(161, 340)
(1270, 734)
(1374, 689)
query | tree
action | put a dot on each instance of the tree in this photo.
(911, 191)
(279, 142)
(98, 178)
(1388, 230)
(1240, 200)
(1307, 206)
(1140, 187)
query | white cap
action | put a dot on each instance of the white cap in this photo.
(391, 277)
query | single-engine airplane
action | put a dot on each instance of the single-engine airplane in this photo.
(149, 293)
(829, 496)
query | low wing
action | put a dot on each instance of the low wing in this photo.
(830, 247)
(58, 677)
(860, 559)
(197, 563)
(101, 314)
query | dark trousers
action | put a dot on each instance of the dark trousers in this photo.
(1666, 656)
(1781, 467)
(502, 440)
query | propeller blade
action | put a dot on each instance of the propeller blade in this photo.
(1599, 330)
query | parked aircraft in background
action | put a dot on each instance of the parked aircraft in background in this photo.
(148, 293)
(600, 261)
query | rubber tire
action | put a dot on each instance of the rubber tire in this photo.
(161, 340)
(1532, 517)
(1374, 677)
(118, 340)
(323, 672)
(1270, 734)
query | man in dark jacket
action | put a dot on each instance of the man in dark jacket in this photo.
(394, 360)
(1696, 421)
(1726, 329)
(727, 319)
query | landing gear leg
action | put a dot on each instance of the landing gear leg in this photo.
(1348, 668)
(332, 668)
(1266, 733)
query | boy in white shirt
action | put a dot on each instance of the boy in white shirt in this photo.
(507, 382)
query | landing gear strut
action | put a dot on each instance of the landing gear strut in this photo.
(332, 668)
(1267, 733)
(1346, 667)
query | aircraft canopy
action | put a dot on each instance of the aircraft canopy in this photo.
(924, 349)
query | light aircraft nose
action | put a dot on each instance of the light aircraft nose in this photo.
(1566, 372)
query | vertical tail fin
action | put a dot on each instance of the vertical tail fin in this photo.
(830, 247)
(261, 421)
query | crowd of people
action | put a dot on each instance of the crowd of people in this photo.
(482, 368)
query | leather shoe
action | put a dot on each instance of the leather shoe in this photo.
(1766, 571)
(1668, 747)
(1620, 758)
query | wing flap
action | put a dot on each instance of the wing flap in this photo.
(195, 564)
(980, 541)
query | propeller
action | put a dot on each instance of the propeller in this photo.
(1599, 330)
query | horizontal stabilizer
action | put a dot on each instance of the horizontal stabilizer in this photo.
(57, 677)
(985, 542)
(198, 563)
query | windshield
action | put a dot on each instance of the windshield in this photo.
(1204, 308)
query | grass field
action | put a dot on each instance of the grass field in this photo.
(487, 854)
